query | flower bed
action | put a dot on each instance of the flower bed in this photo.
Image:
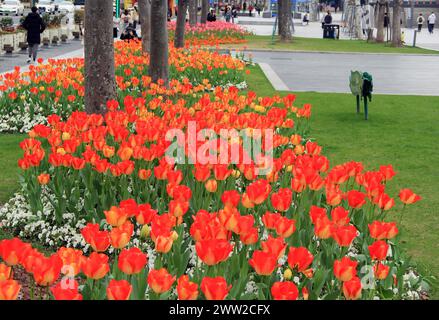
(149, 224)
(56, 87)
(211, 33)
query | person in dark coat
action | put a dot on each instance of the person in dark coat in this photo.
(34, 26)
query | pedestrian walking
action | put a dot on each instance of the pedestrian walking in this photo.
(431, 21)
(250, 10)
(227, 14)
(420, 22)
(126, 19)
(244, 6)
(135, 17)
(258, 9)
(234, 13)
(34, 25)
(116, 24)
(211, 16)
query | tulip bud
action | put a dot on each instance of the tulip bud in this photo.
(174, 235)
(236, 174)
(144, 232)
(65, 136)
(289, 168)
(288, 274)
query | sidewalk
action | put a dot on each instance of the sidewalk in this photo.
(264, 27)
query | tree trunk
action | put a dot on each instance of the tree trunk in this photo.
(358, 18)
(396, 23)
(181, 22)
(145, 24)
(285, 20)
(100, 83)
(314, 10)
(380, 21)
(204, 11)
(193, 12)
(158, 65)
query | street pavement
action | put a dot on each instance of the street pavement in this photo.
(9, 61)
(329, 72)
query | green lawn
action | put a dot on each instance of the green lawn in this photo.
(9, 154)
(316, 44)
(402, 131)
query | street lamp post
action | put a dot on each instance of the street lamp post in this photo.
(117, 8)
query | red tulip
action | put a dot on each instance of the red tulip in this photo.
(284, 291)
(344, 235)
(356, 199)
(213, 251)
(264, 263)
(300, 258)
(119, 290)
(378, 250)
(274, 246)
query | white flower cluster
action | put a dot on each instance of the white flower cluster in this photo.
(22, 121)
(16, 214)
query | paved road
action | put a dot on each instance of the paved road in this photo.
(8, 61)
(329, 72)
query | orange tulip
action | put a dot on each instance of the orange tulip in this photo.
(285, 227)
(98, 240)
(352, 289)
(131, 261)
(9, 289)
(160, 280)
(213, 251)
(5, 272)
(119, 290)
(121, 236)
(70, 292)
(407, 196)
(43, 178)
(12, 251)
(72, 259)
(47, 270)
(345, 269)
(96, 266)
(211, 185)
(163, 244)
(215, 288)
(186, 290)
(381, 271)
(115, 216)
(282, 199)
